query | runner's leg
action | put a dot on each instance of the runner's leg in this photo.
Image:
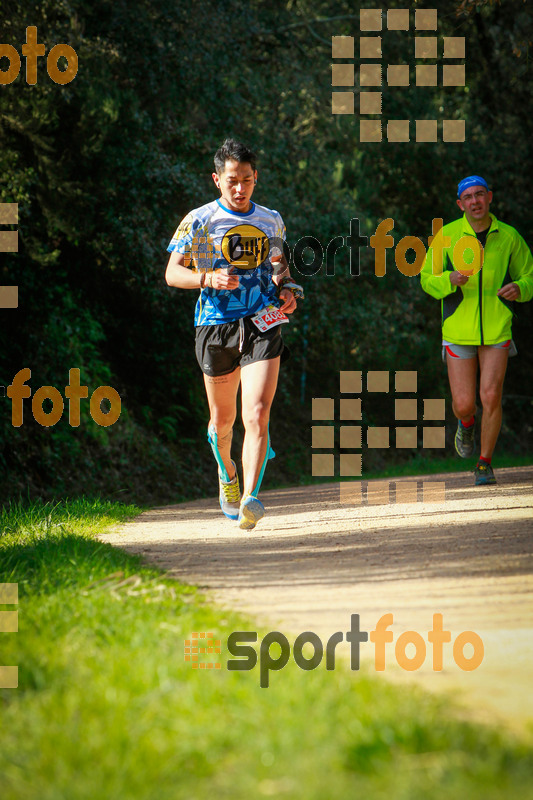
(259, 382)
(462, 373)
(492, 365)
(222, 398)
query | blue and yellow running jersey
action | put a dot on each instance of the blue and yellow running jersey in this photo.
(213, 237)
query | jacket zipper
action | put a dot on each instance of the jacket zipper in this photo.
(480, 289)
(480, 285)
(481, 304)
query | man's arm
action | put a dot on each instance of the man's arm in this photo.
(182, 277)
(439, 283)
(521, 269)
(280, 266)
(281, 270)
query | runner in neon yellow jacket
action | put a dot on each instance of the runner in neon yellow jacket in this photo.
(474, 313)
(477, 266)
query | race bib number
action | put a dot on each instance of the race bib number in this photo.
(268, 318)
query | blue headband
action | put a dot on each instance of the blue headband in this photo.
(472, 180)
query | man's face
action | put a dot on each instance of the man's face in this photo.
(236, 185)
(475, 202)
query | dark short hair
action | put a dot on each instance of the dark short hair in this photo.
(233, 150)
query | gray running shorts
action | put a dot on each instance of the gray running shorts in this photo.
(470, 350)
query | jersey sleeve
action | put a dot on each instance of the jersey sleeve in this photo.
(192, 240)
(278, 237)
(182, 240)
(521, 269)
(280, 230)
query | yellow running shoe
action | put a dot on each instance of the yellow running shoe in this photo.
(230, 496)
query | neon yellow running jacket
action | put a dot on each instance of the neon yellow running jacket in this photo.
(473, 313)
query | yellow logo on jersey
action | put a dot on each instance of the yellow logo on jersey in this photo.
(184, 227)
(245, 246)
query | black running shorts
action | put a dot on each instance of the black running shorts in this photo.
(220, 349)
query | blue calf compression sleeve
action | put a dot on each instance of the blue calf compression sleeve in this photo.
(268, 455)
(213, 441)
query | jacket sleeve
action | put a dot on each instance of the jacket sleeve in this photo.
(521, 269)
(436, 282)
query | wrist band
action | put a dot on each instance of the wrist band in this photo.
(295, 288)
(203, 276)
(283, 281)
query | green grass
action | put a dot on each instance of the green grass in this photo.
(420, 465)
(107, 707)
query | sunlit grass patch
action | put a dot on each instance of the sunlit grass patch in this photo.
(107, 706)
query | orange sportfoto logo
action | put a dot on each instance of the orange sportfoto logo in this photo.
(31, 51)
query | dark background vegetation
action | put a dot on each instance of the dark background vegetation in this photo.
(104, 168)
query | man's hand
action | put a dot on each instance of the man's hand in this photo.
(289, 301)
(223, 279)
(458, 279)
(511, 291)
(279, 267)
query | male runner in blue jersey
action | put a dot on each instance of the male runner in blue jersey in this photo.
(234, 246)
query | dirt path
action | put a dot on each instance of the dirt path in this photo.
(313, 562)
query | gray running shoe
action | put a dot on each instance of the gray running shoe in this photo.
(484, 474)
(251, 511)
(464, 440)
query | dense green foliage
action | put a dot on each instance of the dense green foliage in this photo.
(104, 167)
(107, 706)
